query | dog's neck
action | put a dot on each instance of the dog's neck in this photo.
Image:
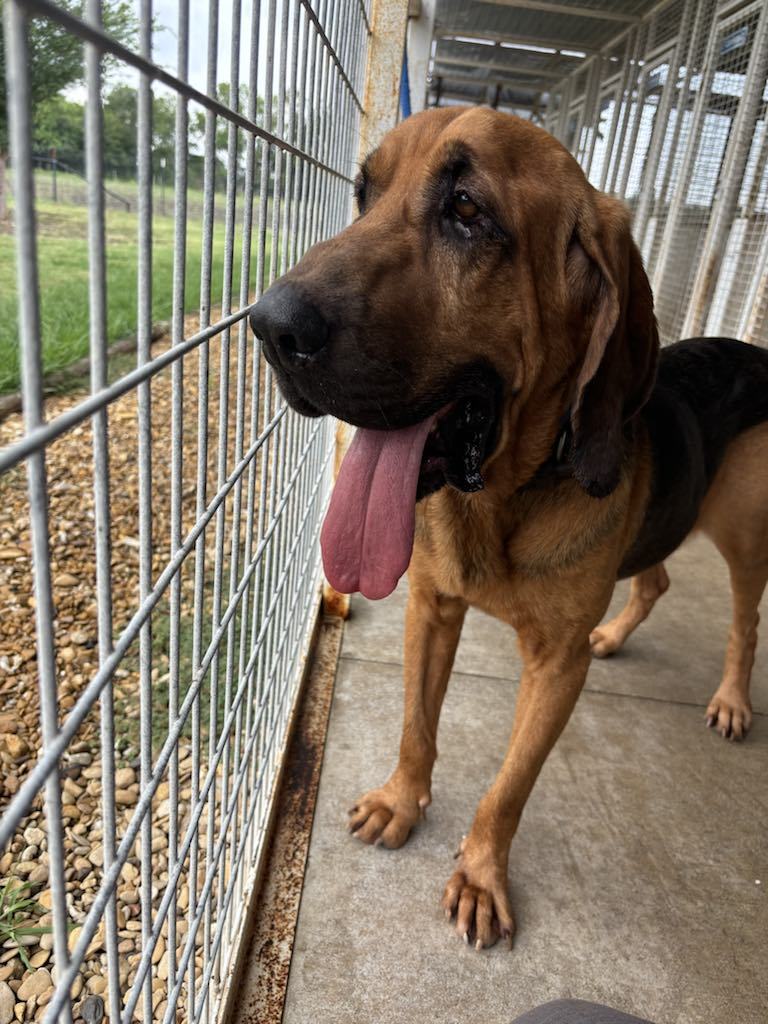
(556, 466)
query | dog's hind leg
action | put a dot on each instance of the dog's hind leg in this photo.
(730, 711)
(432, 629)
(734, 515)
(645, 590)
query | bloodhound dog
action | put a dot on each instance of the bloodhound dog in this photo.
(522, 443)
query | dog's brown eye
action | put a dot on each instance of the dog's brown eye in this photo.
(465, 206)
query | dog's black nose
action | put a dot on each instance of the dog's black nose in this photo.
(291, 329)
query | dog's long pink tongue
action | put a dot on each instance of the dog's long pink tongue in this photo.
(367, 536)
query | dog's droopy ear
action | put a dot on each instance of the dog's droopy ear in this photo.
(607, 283)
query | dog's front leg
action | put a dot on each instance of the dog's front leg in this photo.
(432, 628)
(553, 675)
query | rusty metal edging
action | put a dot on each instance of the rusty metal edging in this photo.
(258, 977)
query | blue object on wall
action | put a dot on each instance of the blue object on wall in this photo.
(405, 88)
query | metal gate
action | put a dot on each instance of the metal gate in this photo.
(671, 116)
(166, 549)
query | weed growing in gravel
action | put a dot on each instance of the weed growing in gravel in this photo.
(17, 904)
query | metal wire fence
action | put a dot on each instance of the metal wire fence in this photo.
(165, 541)
(671, 117)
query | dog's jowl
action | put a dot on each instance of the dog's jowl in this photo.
(487, 325)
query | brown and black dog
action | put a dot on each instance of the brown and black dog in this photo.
(487, 324)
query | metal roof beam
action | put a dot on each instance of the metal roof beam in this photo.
(483, 83)
(466, 62)
(471, 101)
(458, 35)
(575, 12)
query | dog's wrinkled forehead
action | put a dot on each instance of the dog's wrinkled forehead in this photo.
(500, 148)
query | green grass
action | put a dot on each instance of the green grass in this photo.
(19, 911)
(72, 191)
(63, 274)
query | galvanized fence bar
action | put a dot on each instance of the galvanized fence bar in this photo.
(661, 121)
(692, 141)
(18, 91)
(592, 113)
(624, 167)
(734, 166)
(565, 105)
(754, 318)
(144, 413)
(630, 43)
(101, 478)
(231, 489)
(177, 454)
(627, 107)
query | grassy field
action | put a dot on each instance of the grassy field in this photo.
(63, 269)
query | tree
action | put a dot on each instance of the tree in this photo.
(55, 62)
(221, 143)
(163, 131)
(120, 117)
(60, 125)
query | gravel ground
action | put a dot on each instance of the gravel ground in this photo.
(26, 975)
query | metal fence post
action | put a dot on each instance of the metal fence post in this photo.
(419, 52)
(639, 106)
(755, 309)
(551, 114)
(565, 106)
(582, 110)
(16, 23)
(593, 114)
(648, 188)
(624, 81)
(101, 477)
(389, 19)
(697, 41)
(677, 203)
(627, 111)
(734, 164)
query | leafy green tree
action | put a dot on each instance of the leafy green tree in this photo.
(163, 130)
(120, 115)
(120, 118)
(60, 125)
(197, 128)
(55, 63)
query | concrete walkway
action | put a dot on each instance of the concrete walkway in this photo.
(634, 875)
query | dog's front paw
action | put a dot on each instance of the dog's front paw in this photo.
(729, 713)
(385, 817)
(476, 896)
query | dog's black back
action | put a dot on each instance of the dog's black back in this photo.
(707, 391)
